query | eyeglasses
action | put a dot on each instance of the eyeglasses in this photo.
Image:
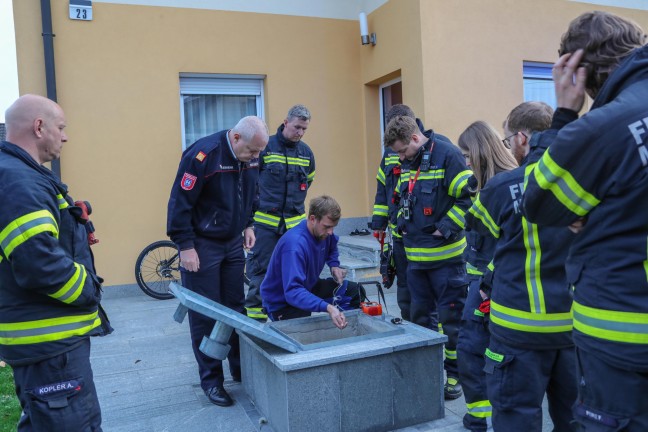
(507, 141)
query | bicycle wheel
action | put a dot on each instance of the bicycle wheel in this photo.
(156, 266)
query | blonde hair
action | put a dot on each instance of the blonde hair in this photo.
(488, 155)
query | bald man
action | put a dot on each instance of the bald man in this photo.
(49, 290)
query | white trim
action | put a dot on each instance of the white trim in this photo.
(336, 9)
(380, 101)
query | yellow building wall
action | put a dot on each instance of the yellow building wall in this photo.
(118, 82)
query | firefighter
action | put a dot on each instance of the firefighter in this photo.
(286, 172)
(530, 351)
(594, 178)
(433, 198)
(211, 206)
(49, 290)
(487, 156)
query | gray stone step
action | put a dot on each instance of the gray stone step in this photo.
(358, 270)
(364, 248)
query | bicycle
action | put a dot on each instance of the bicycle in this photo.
(157, 265)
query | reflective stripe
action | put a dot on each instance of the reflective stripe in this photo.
(275, 158)
(529, 321)
(62, 203)
(493, 355)
(311, 177)
(450, 354)
(394, 231)
(480, 212)
(471, 269)
(480, 409)
(457, 215)
(627, 327)
(73, 287)
(458, 183)
(491, 266)
(645, 263)
(436, 254)
(298, 161)
(256, 313)
(47, 330)
(432, 174)
(380, 210)
(294, 221)
(532, 267)
(25, 227)
(266, 219)
(381, 176)
(550, 176)
(392, 160)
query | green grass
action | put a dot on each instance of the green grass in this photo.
(9, 405)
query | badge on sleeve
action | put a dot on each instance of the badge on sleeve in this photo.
(201, 156)
(302, 186)
(188, 181)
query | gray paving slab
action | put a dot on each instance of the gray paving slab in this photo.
(147, 379)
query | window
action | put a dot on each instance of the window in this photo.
(391, 93)
(210, 103)
(538, 83)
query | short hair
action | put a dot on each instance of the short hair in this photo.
(606, 40)
(324, 206)
(487, 153)
(250, 126)
(399, 110)
(400, 128)
(298, 111)
(529, 116)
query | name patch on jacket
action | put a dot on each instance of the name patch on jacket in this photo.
(51, 389)
(188, 181)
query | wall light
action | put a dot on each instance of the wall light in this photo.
(364, 31)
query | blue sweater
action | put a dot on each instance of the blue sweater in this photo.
(294, 269)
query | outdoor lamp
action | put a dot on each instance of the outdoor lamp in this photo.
(364, 31)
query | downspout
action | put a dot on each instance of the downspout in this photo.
(50, 74)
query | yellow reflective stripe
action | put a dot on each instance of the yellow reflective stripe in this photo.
(550, 176)
(530, 321)
(431, 175)
(480, 212)
(298, 161)
(457, 215)
(62, 203)
(450, 354)
(381, 176)
(274, 159)
(471, 269)
(491, 266)
(458, 183)
(25, 227)
(392, 160)
(267, 219)
(73, 287)
(394, 231)
(532, 267)
(294, 221)
(311, 176)
(47, 330)
(436, 254)
(480, 409)
(627, 327)
(380, 210)
(256, 312)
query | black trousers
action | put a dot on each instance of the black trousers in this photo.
(58, 394)
(220, 279)
(257, 266)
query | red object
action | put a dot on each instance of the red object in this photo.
(371, 308)
(396, 170)
(302, 186)
(427, 211)
(484, 307)
(86, 211)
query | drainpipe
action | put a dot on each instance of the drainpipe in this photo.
(50, 75)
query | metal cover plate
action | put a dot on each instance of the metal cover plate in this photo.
(221, 313)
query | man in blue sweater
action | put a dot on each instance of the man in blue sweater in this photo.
(292, 287)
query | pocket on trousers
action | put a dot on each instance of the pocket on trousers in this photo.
(500, 380)
(593, 420)
(59, 406)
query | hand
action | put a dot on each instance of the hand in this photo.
(189, 260)
(337, 316)
(577, 226)
(338, 274)
(249, 238)
(569, 81)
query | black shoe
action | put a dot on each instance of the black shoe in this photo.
(452, 389)
(218, 396)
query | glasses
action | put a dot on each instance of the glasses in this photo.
(507, 140)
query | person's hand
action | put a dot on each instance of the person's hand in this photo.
(577, 226)
(189, 260)
(337, 316)
(338, 274)
(379, 234)
(249, 238)
(569, 81)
